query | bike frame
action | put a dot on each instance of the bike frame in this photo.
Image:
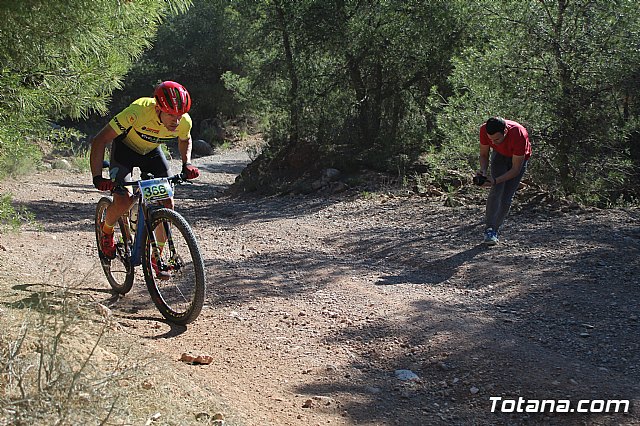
(143, 229)
(136, 251)
(151, 245)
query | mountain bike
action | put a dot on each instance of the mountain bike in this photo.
(159, 239)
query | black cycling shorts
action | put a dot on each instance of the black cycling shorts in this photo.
(124, 159)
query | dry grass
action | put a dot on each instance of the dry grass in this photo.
(64, 360)
(54, 370)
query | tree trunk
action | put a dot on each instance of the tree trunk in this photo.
(294, 96)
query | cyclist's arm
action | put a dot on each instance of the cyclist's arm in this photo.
(98, 146)
(184, 146)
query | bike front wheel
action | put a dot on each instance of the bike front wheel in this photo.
(173, 267)
(119, 271)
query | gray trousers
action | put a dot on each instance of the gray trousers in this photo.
(501, 195)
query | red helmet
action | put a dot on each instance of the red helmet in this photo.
(172, 97)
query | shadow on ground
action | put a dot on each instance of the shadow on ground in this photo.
(551, 313)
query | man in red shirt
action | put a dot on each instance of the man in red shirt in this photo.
(511, 151)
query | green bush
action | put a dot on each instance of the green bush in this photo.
(12, 217)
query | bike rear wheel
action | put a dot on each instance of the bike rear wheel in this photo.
(180, 296)
(119, 271)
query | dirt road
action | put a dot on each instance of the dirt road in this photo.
(376, 310)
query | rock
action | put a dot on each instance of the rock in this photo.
(474, 390)
(406, 375)
(203, 417)
(442, 366)
(199, 359)
(61, 164)
(204, 359)
(201, 148)
(103, 310)
(373, 390)
(317, 184)
(187, 358)
(338, 187)
(330, 174)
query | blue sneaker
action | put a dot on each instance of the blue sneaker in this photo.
(490, 237)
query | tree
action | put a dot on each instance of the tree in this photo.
(349, 78)
(65, 58)
(195, 48)
(564, 68)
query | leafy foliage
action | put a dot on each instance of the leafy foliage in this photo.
(347, 83)
(380, 83)
(65, 58)
(195, 48)
(565, 70)
(349, 79)
(11, 217)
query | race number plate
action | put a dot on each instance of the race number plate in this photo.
(155, 189)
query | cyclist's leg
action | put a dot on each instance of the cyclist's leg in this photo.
(122, 162)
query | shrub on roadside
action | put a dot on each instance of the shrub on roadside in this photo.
(12, 217)
(47, 361)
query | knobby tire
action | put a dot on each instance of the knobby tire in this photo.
(181, 298)
(118, 271)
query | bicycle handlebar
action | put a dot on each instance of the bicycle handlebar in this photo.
(175, 179)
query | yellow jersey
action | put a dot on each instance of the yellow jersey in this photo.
(144, 131)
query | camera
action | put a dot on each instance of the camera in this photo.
(479, 180)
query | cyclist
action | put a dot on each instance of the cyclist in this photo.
(136, 135)
(511, 151)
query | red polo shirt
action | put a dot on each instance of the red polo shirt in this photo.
(516, 142)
